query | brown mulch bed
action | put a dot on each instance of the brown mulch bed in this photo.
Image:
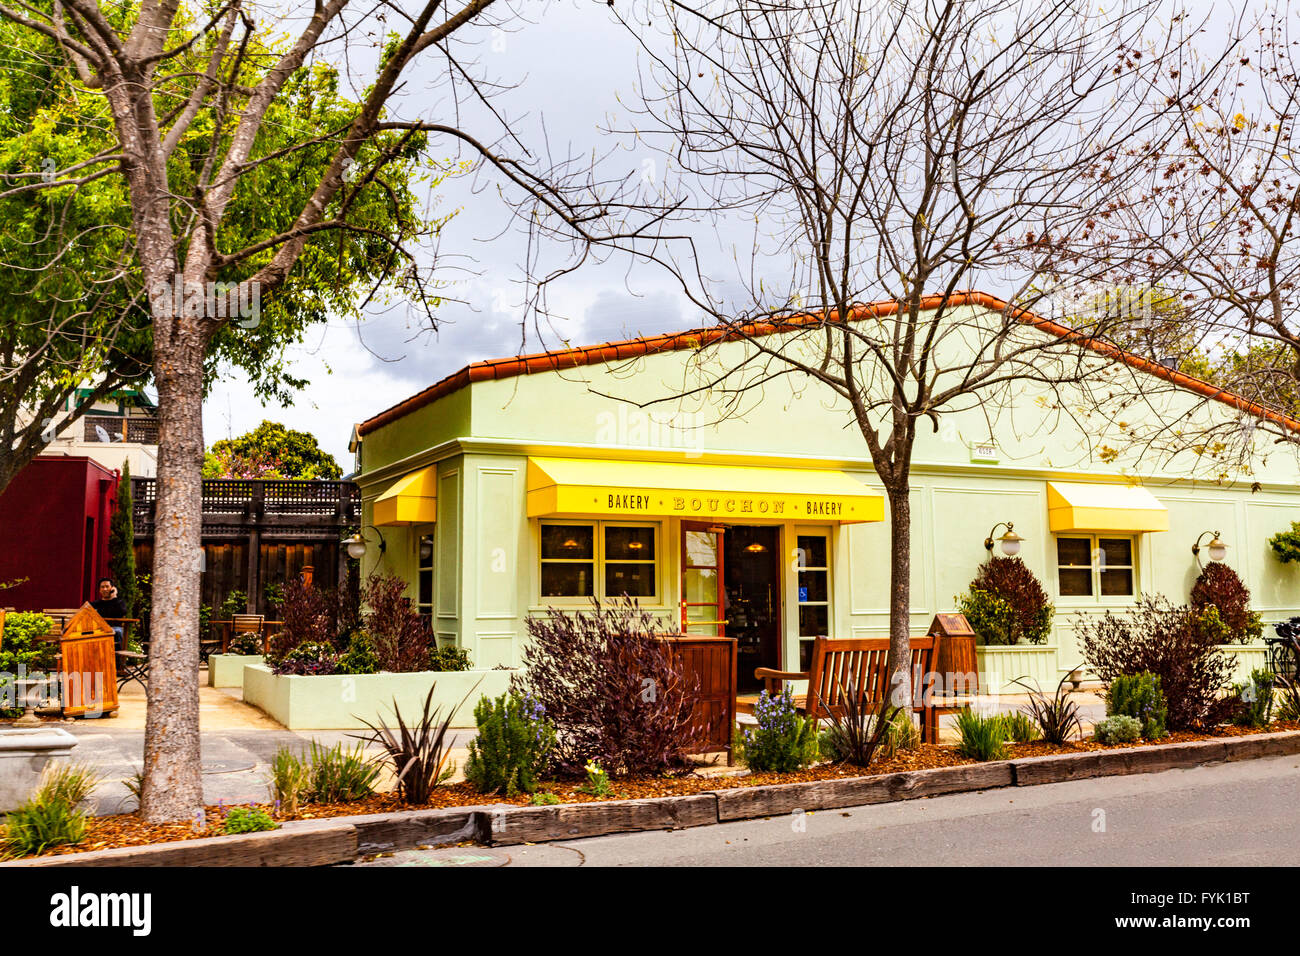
(127, 829)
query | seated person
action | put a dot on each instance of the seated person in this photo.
(109, 605)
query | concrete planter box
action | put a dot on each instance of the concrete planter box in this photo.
(1245, 658)
(338, 702)
(1000, 664)
(24, 752)
(227, 670)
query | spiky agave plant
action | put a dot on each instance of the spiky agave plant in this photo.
(1057, 716)
(857, 732)
(419, 753)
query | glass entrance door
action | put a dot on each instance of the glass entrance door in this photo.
(702, 594)
(752, 588)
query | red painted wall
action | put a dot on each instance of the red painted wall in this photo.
(46, 533)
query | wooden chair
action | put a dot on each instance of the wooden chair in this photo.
(245, 624)
(839, 664)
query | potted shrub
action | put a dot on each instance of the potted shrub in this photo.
(1220, 587)
(1006, 604)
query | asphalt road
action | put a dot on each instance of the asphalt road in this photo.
(1238, 814)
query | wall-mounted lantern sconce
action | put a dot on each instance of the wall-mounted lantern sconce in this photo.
(1010, 540)
(356, 544)
(1216, 549)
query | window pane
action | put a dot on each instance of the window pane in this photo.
(634, 580)
(567, 580)
(805, 655)
(812, 586)
(629, 544)
(1116, 583)
(1075, 582)
(812, 551)
(812, 620)
(701, 549)
(426, 587)
(568, 541)
(1076, 551)
(701, 586)
(1116, 551)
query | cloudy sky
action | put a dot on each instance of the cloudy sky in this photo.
(571, 66)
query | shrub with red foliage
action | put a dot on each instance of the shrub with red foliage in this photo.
(1012, 580)
(309, 615)
(612, 688)
(1171, 642)
(1221, 587)
(398, 635)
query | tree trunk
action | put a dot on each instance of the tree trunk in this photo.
(173, 784)
(900, 593)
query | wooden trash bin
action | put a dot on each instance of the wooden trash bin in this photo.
(955, 664)
(88, 667)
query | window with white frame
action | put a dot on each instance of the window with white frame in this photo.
(814, 571)
(424, 576)
(1096, 566)
(604, 559)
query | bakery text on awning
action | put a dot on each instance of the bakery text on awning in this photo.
(579, 486)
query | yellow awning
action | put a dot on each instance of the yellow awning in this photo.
(1075, 506)
(579, 486)
(412, 499)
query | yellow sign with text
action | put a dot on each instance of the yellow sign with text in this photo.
(560, 486)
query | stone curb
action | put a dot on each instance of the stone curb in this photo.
(344, 839)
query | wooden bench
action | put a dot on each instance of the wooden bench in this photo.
(838, 664)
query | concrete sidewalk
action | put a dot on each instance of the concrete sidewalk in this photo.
(237, 743)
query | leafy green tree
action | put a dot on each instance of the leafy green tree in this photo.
(77, 326)
(121, 544)
(244, 168)
(275, 451)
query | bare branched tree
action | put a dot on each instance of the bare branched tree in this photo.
(900, 153)
(185, 238)
(1223, 221)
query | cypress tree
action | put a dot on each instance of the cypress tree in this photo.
(121, 544)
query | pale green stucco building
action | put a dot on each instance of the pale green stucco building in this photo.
(518, 484)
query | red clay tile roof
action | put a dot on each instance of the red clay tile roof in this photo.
(696, 338)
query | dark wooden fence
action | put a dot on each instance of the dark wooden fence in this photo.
(262, 532)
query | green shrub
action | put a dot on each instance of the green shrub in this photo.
(1139, 696)
(449, 659)
(1257, 699)
(1178, 644)
(1007, 604)
(1286, 544)
(982, 738)
(1119, 729)
(289, 780)
(783, 741)
(236, 602)
(310, 658)
(249, 820)
(246, 644)
(1020, 728)
(50, 817)
(903, 734)
(992, 619)
(544, 799)
(513, 746)
(1220, 587)
(23, 652)
(335, 775)
(36, 827)
(360, 657)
